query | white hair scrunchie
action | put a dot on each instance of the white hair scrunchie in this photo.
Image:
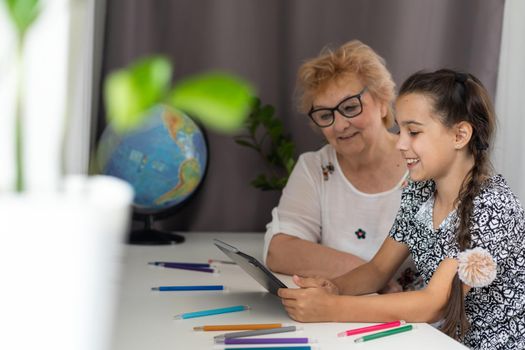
(476, 267)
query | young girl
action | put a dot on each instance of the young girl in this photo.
(462, 225)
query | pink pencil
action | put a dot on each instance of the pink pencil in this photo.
(376, 327)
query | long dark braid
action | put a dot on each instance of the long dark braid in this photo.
(455, 320)
(460, 97)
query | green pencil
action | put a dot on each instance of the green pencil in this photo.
(384, 333)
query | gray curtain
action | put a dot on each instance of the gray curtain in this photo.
(265, 42)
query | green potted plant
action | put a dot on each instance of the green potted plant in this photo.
(264, 133)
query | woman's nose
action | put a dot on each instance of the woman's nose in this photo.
(340, 121)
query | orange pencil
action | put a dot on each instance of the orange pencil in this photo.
(238, 327)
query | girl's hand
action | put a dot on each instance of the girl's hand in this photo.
(313, 302)
(309, 282)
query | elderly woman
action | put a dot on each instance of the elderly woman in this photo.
(340, 201)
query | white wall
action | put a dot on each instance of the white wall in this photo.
(509, 150)
(7, 95)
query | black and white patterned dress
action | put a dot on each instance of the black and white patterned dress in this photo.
(496, 312)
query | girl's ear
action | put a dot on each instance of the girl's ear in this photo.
(463, 132)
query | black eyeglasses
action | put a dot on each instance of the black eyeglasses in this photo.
(349, 107)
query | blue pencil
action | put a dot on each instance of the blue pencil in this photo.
(187, 288)
(222, 310)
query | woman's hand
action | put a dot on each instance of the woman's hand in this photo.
(313, 302)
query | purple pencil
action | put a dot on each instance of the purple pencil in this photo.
(177, 264)
(231, 341)
(192, 268)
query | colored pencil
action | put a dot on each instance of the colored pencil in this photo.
(384, 333)
(176, 264)
(220, 338)
(186, 288)
(210, 312)
(367, 329)
(237, 327)
(190, 268)
(215, 261)
(232, 341)
(307, 347)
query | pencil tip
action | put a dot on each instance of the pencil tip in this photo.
(198, 328)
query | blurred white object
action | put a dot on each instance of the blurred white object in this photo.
(59, 260)
(60, 59)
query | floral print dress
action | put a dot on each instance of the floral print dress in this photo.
(496, 312)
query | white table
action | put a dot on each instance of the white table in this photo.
(144, 318)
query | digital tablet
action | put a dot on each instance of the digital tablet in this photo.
(252, 266)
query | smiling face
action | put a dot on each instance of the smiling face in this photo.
(428, 147)
(350, 136)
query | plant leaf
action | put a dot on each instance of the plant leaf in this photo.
(269, 141)
(285, 150)
(130, 92)
(267, 112)
(289, 166)
(275, 131)
(23, 13)
(220, 101)
(272, 184)
(246, 144)
(261, 182)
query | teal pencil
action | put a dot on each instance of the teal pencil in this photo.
(221, 310)
(274, 348)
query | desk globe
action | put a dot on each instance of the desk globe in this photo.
(165, 160)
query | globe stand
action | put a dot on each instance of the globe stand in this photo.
(150, 236)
